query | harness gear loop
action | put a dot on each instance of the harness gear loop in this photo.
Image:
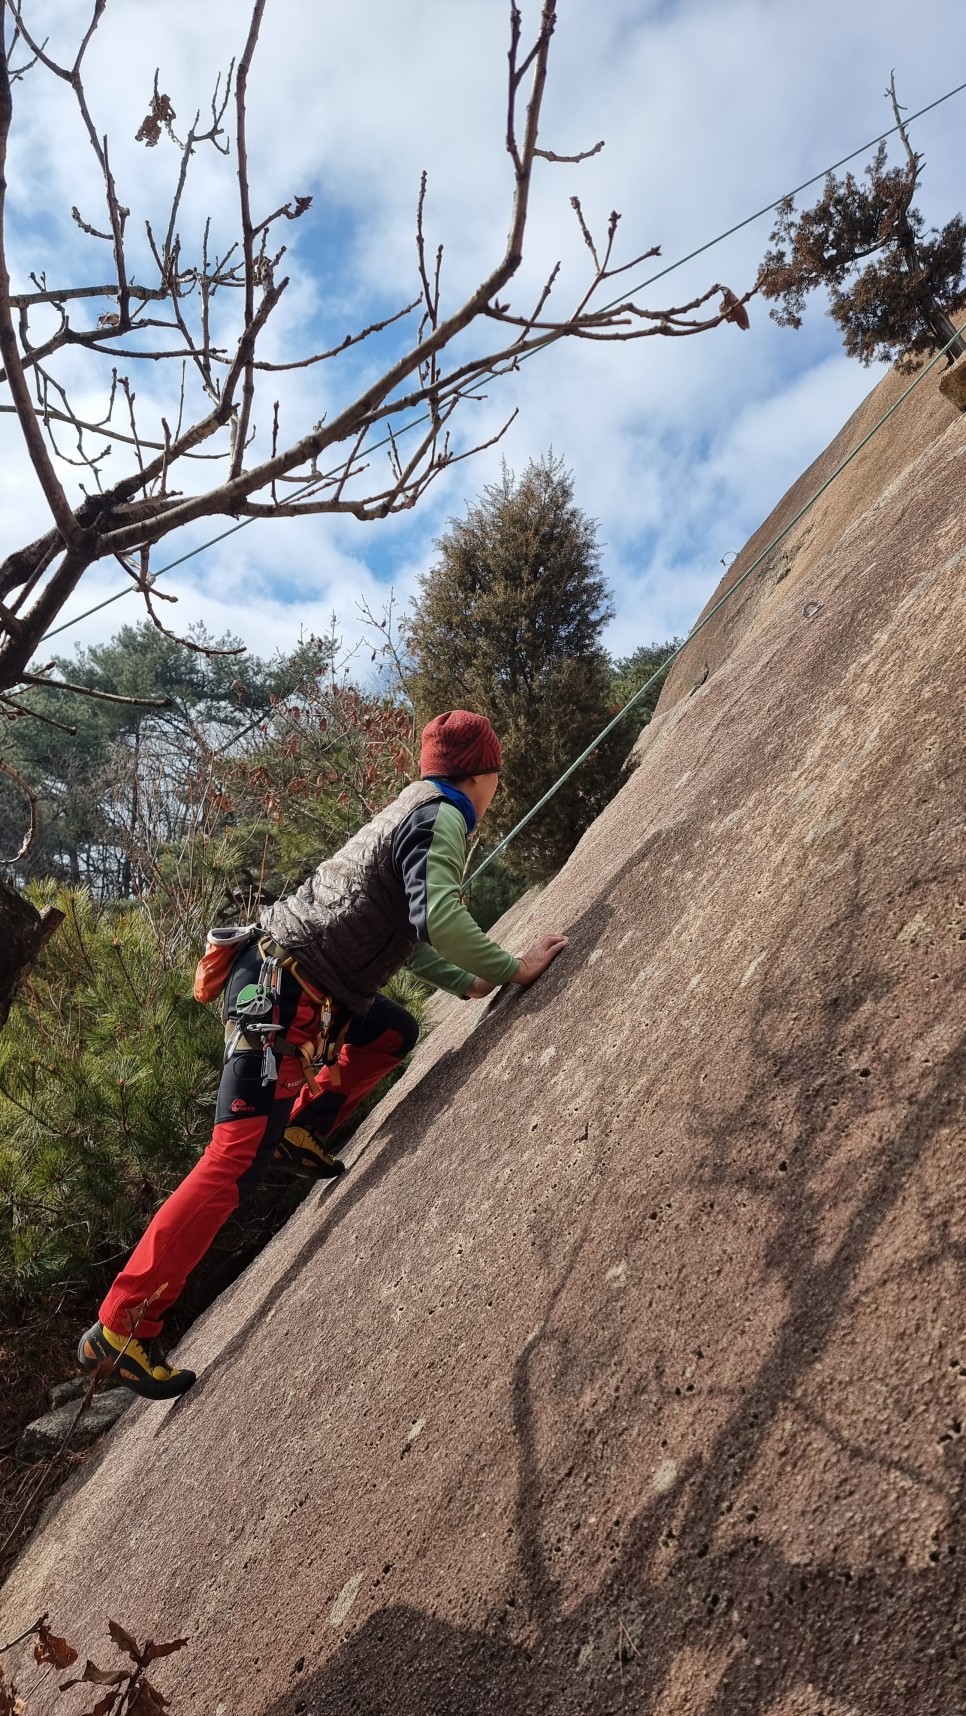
(254, 1023)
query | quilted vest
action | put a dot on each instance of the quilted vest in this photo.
(348, 925)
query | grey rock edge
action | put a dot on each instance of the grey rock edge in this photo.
(76, 1389)
(42, 1439)
(952, 384)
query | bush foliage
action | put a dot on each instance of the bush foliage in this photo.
(108, 1075)
(108, 1072)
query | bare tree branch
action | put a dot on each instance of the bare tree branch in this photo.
(397, 498)
(31, 798)
(248, 236)
(98, 696)
(916, 161)
(54, 494)
(65, 294)
(585, 154)
(23, 711)
(343, 345)
(433, 367)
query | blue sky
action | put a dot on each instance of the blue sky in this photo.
(709, 108)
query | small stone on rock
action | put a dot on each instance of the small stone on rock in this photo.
(77, 1387)
(44, 1437)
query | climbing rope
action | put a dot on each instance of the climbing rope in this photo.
(316, 483)
(804, 186)
(709, 616)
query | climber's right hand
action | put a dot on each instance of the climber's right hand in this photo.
(537, 958)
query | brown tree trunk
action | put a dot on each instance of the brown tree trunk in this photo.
(23, 932)
(945, 331)
(935, 316)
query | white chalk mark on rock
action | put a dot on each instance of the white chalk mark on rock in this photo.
(753, 967)
(911, 931)
(344, 1601)
(415, 1432)
(821, 830)
(646, 975)
(665, 1476)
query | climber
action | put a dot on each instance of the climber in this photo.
(307, 1033)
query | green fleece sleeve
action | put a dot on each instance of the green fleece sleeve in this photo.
(428, 965)
(453, 933)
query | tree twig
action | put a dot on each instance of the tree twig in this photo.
(248, 233)
(49, 482)
(99, 696)
(31, 834)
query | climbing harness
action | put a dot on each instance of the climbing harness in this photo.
(253, 1022)
(328, 1044)
(255, 1016)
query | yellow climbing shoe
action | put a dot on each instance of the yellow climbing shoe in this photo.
(302, 1153)
(141, 1368)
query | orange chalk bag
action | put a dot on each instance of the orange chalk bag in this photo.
(222, 948)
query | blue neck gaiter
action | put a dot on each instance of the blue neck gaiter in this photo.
(458, 798)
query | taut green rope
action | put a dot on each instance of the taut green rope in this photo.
(709, 616)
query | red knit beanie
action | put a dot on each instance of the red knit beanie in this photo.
(459, 743)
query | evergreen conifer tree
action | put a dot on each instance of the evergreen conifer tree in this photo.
(508, 622)
(108, 1072)
(630, 673)
(891, 284)
(113, 777)
(108, 1075)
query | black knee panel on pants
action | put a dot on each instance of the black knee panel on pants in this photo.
(385, 1015)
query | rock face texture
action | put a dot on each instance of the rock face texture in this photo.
(626, 1369)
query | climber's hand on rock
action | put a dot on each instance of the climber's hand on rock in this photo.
(477, 989)
(537, 958)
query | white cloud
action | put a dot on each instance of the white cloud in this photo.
(678, 448)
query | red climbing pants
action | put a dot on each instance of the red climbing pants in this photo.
(250, 1118)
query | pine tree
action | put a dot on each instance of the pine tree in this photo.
(108, 1076)
(114, 777)
(108, 1071)
(508, 623)
(631, 672)
(891, 284)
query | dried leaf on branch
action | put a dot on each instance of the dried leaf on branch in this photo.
(159, 114)
(50, 1648)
